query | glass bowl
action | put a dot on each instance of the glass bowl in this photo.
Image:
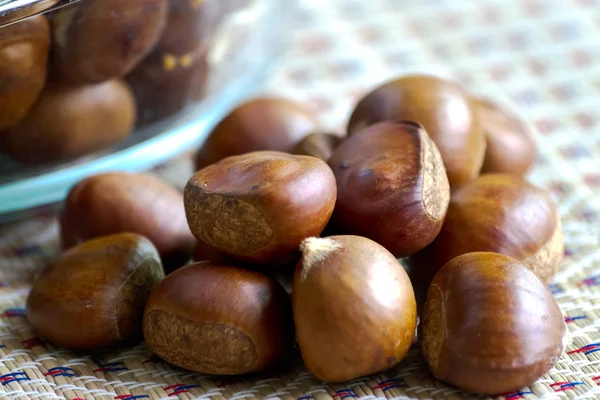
(100, 85)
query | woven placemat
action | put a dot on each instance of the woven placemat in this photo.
(541, 57)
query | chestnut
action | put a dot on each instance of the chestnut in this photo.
(126, 202)
(98, 40)
(93, 296)
(498, 213)
(218, 319)
(259, 124)
(165, 83)
(490, 325)
(354, 307)
(24, 48)
(189, 24)
(320, 145)
(510, 148)
(442, 107)
(391, 187)
(259, 206)
(70, 121)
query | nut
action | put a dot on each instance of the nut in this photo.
(490, 325)
(354, 307)
(112, 203)
(510, 148)
(68, 122)
(320, 145)
(259, 206)
(98, 40)
(165, 83)
(218, 319)
(444, 110)
(392, 187)
(260, 124)
(189, 24)
(93, 296)
(24, 48)
(497, 213)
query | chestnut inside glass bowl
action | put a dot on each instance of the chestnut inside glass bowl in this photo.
(88, 86)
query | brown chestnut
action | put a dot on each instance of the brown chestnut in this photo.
(124, 202)
(354, 307)
(93, 296)
(444, 110)
(320, 145)
(391, 187)
(259, 206)
(498, 213)
(218, 319)
(71, 121)
(490, 325)
(165, 83)
(98, 40)
(510, 148)
(259, 124)
(24, 48)
(189, 24)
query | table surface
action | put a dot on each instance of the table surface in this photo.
(541, 58)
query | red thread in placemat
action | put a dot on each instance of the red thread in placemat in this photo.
(180, 388)
(60, 371)
(13, 377)
(575, 318)
(33, 342)
(587, 349)
(563, 386)
(13, 312)
(111, 367)
(389, 384)
(345, 394)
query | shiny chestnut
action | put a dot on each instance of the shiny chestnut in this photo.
(259, 206)
(259, 124)
(510, 147)
(354, 307)
(497, 213)
(71, 121)
(490, 325)
(119, 202)
(93, 296)
(442, 107)
(215, 318)
(99, 40)
(24, 49)
(391, 186)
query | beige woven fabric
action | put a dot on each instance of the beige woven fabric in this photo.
(540, 57)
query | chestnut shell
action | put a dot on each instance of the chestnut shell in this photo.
(119, 202)
(259, 124)
(392, 187)
(354, 307)
(94, 295)
(490, 325)
(442, 107)
(218, 319)
(24, 49)
(259, 206)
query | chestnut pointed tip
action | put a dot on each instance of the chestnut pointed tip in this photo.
(314, 251)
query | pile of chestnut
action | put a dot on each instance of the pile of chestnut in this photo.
(80, 79)
(426, 173)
